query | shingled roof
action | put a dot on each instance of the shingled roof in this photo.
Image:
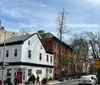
(17, 39)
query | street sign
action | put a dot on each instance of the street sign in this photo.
(97, 64)
(2, 68)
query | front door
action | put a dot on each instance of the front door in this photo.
(19, 74)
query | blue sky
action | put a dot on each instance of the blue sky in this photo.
(34, 15)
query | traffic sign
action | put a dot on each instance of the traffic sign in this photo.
(97, 64)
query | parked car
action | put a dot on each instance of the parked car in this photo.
(95, 76)
(90, 80)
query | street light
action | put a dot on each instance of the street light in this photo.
(3, 56)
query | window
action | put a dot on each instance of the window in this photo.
(41, 47)
(29, 72)
(23, 75)
(29, 53)
(7, 53)
(38, 71)
(55, 45)
(40, 56)
(8, 72)
(47, 58)
(50, 70)
(51, 58)
(0, 53)
(15, 54)
(28, 42)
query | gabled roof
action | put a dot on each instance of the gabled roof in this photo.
(17, 39)
(20, 39)
(49, 35)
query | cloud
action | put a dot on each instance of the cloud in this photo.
(10, 12)
(43, 5)
(84, 25)
(95, 3)
(89, 15)
(23, 25)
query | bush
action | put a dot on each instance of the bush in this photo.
(44, 80)
(50, 78)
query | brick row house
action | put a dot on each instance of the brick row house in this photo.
(52, 44)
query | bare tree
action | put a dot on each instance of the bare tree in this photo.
(80, 46)
(62, 29)
(94, 41)
(23, 31)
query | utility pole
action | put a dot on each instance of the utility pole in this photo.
(3, 62)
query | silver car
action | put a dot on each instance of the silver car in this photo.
(88, 80)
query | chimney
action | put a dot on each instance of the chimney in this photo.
(2, 28)
(41, 32)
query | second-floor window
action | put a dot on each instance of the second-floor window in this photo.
(40, 56)
(47, 58)
(51, 58)
(7, 53)
(29, 53)
(15, 53)
(0, 53)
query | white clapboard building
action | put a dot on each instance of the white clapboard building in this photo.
(26, 55)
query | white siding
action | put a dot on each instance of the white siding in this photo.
(22, 56)
(11, 57)
(35, 47)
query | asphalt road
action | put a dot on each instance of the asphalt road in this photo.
(70, 82)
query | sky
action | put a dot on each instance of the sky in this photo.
(34, 15)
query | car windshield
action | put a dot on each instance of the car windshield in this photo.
(85, 78)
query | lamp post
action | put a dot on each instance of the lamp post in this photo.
(3, 57)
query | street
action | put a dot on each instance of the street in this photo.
(69, 82)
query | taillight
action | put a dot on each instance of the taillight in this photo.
(89, 80)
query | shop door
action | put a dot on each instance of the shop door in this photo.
(19, 74)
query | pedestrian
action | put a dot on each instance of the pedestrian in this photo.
(33, 78)
(38, 80)
(8, 81)
(30, 80)
(16, 80)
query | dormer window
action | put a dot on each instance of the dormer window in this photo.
(28, 42)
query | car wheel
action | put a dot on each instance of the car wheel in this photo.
(79, 84)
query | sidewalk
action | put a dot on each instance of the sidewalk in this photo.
(56, 82)
(52, 82)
